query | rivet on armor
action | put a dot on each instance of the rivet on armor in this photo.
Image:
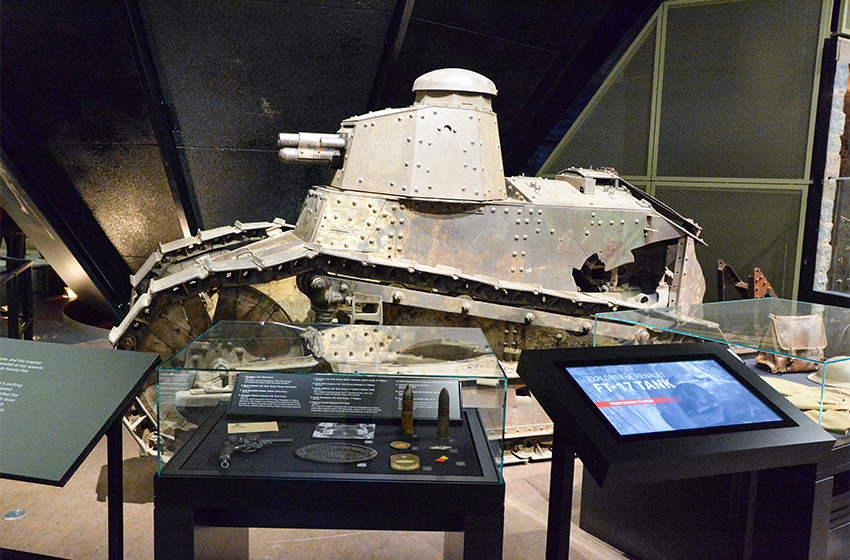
(401, 220)
(518, 221)
(552, 231)
(586, 232)
(523, 253)
(593, 214)
(524, 237)
(513, 269)
(516, 237)
(514, 253)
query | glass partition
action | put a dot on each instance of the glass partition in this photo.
(805, 344)
(317, 393)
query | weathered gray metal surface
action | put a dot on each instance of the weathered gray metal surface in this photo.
(419, 214)
(419, 226)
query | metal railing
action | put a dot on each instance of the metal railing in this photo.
(16, 299)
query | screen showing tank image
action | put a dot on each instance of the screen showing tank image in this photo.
(671, 396)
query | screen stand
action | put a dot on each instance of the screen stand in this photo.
(560, 496)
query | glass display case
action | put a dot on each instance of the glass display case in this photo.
(801, 349)
(250, 399)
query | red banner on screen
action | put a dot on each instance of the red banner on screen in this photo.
(631, 402)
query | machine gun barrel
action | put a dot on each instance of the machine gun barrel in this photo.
(311, 147)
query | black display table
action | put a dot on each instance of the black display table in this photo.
(732, 491)
(197, 505)
(56, 402)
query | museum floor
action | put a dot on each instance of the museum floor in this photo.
(70, 522)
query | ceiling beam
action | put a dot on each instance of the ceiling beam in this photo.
(396, 32)
(40, 197)
(161, 119)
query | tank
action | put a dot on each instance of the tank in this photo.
(418, 225)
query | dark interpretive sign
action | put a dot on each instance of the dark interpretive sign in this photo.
(339, 396)
(57, 400)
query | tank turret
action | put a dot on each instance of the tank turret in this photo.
(402, 152)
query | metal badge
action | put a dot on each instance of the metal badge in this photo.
(404, 462)
(400, 445)
(336, 453)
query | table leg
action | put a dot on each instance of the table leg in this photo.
(115, 490)
(483, 536)
(560, 497)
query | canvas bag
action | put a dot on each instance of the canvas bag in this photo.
(798, 335)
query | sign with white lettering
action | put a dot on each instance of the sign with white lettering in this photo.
(339, 396)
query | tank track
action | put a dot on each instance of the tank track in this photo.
(181, 258)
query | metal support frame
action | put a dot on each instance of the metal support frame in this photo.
(47, 198)
(161, 119)
(574, 76)
(17, 284)
(392, 48)
(818, 178)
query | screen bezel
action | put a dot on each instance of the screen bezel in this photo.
(563, 366)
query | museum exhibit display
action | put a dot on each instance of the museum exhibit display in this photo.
(418, 225)
(50, 419)
(331, 426)
(802, 350)
(687, 452)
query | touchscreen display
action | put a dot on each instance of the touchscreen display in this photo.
(669, 396)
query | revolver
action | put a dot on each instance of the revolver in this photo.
(245, 443)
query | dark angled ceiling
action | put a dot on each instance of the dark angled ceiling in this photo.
(150, 118)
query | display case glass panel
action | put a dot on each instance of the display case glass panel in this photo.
(273, 399)
(804, 344)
